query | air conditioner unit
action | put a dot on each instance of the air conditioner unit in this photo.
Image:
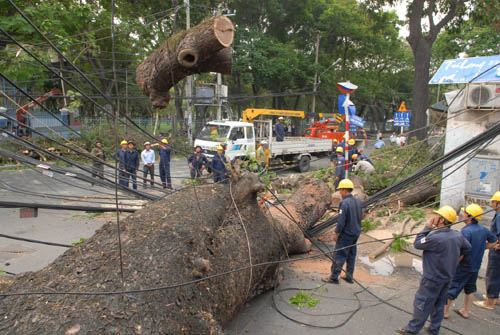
(483, 96)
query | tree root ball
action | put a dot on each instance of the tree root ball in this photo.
(192, 234)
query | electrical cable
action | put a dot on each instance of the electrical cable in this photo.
(194, 281)
(477, 140)
(103, 181)
(35, 241)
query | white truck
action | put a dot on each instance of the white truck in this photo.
(241, 138)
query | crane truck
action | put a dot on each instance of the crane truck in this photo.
(241, 138)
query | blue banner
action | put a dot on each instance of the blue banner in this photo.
(402, 119)
(465, 70)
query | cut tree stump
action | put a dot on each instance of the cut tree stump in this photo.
(191, 235)
(203, 48)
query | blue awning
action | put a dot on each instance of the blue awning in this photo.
(465, 70)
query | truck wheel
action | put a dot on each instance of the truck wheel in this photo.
(304, 164)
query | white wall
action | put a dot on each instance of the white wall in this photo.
(459, 130)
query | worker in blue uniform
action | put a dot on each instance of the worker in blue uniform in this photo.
(493, 269)
(346, 234)
(132, 164)
(442, 248)
(197, 163)
(335, 144)
(353, 149)
(339, 166)
(219, 167)
(119, 156)
(279, 130)
(165, 151)
(363, 157)
(465, 278)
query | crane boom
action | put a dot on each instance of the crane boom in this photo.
(251, 113)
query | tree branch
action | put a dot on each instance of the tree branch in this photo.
(445, 20)
(431, 8)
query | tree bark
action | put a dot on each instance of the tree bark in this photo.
(192, 235)
(199, 49)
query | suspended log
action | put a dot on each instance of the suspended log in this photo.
(203, 48)
(191, 235)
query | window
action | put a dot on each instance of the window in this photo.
(214, 132)
(236, 134)
(307, 132)
(249, 132)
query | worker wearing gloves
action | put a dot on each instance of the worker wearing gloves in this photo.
(442, 249)
(132, 164)
(119, 156)
(467, 271)
(493, 269)
(148, 161)
(197, 163)
(362, 165)
(346, 234)
(279, 129)
(165, 151)
(339, 166)
(219, 167)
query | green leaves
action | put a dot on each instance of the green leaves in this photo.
(304, 299)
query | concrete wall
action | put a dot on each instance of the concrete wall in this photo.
(461, 127)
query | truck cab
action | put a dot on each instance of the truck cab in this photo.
(239, 137)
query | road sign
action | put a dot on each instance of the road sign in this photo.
(353, 128)
(402, 119)
(338, 117)
(341, 100)
(357, 121)
(402, 108)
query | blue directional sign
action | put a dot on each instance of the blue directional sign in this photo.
(353, 128)
(357, 121)
(402, 119)
(351, 108)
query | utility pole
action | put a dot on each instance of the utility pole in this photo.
(189, 89)
(219, 79)
(315, 84)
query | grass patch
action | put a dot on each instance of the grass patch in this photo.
(369, 224)
(92, 215)
(194, 181)
(78, 242)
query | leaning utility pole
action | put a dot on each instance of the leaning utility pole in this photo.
(189, 90)
(315, 84)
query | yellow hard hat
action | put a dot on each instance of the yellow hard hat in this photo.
(448, 213)
(164, 141)
(352, 142)
(335, 140)
(345, 183)
(474, 210)
(496, 196)
(123, 142)
(355, 156)
(339, 149)
(345, 136)
(220, 147)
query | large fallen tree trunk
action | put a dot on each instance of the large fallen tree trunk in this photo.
(193, 234)
(203, 48)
